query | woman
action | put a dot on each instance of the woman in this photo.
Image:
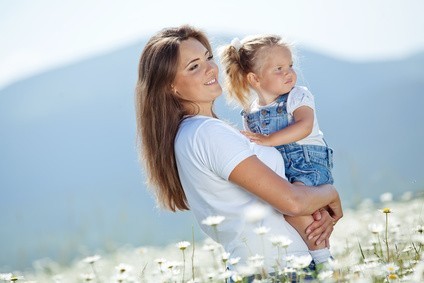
(195, 161)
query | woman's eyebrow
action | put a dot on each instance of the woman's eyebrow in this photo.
(196, 59)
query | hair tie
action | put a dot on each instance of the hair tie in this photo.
(236, 44)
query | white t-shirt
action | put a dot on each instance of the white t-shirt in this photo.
(207, 150)
(298, 96)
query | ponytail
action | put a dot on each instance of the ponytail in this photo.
(236, 82)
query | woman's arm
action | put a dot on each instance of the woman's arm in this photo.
(289, 199)
(301, 128)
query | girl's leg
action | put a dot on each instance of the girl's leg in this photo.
(300, 223)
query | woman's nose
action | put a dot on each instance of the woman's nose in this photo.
(210, 67)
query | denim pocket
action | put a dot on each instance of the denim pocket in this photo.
(307, 177)
(312, 171)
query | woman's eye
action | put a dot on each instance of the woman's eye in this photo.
(193, 67)
(210, 57)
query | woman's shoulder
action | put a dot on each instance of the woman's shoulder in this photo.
(200, 121)
(212, 141)
(202, 125)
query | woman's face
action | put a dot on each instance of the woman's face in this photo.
(197, 76)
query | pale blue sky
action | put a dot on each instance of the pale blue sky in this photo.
(43, 34)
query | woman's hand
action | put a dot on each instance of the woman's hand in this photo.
(335, 209)
(322, 227)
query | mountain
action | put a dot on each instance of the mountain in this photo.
(71, 184)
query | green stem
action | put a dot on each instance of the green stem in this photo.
(95, 272)
(381, 247)
(279, 257)
(387, 237)
(215, 263)
(217, 234)
(142, 272)
(192, 254)
(183, 265)
(263, 246)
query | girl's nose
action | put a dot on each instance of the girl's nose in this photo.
(288, 72)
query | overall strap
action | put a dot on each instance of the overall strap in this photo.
(282, 98)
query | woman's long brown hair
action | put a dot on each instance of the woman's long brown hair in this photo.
(159, 113)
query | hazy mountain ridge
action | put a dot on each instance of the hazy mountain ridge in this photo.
(69, 174)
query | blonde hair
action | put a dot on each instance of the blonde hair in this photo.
(239, 61)
(159, 112)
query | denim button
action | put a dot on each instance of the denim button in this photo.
(264, 112)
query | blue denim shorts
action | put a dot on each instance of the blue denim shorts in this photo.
(309, 164)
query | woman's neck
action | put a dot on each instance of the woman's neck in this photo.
(202, 109)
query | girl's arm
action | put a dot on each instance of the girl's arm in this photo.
(257, 178)
(301, 128)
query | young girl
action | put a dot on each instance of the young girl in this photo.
(281, 115)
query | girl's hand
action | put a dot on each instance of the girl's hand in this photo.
(322, 227)
(257, 138)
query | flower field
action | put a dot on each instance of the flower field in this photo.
(375, 242)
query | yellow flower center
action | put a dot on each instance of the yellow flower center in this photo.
(386, 210)
(392, 276)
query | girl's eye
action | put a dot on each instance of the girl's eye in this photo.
(210, 57)
(291, 66)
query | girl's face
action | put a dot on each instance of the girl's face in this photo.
(276, 75)
(197, 76)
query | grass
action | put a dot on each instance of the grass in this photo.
(375, 242)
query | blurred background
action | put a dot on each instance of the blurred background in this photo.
(70, 181)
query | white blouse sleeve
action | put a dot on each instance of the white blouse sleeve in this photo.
(221, 148)
(299, 96)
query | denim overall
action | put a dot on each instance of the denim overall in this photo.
(309, 164)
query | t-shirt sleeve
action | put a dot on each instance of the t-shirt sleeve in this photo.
(220, 147)
(300, 96)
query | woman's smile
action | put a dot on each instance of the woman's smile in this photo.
(211, 82)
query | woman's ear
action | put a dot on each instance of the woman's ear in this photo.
(174, 90)
(253, 80)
